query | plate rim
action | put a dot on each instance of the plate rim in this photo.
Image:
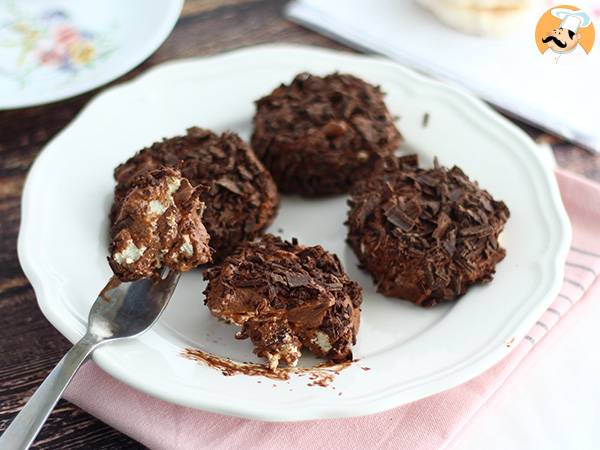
(339, 408)
(172, 12)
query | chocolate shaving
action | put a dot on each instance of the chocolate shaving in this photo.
(443, 222)
(297, 279)
(229, 184)
(476, 231)
(399, 218)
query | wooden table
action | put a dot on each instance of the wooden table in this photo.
(29, 345)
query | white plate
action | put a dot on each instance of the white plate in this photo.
(412, 352)
(52, 50)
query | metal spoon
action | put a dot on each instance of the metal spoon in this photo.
(122, 310)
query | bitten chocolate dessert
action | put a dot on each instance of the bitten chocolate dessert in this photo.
(286, 296)
(241, 199)
(319, 134)
(424, 235)
(158, 224)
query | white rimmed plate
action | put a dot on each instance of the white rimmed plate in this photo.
(52, 50)
(412, 352)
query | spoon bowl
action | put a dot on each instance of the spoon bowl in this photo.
(121, 311)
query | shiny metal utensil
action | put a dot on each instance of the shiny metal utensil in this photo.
(122, 310)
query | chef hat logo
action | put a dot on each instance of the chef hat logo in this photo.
(571, 23)
(571, 19)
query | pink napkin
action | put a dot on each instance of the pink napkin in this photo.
(430, 423)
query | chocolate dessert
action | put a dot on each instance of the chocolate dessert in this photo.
(285, 296)
(424, 235)
(319, 134)
(158, 224)
(241, 199)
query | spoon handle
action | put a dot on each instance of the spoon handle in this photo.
(25, 427)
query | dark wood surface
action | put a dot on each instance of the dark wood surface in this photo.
(29, 345)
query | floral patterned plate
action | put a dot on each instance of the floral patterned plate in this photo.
(52, 50)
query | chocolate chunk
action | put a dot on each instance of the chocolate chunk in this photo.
(424, 235)
(318, 135)
(241, 199)
(158, 224)
(285, 296)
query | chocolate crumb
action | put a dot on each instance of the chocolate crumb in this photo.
(425, 120)
(321, 375)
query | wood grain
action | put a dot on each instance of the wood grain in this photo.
(29, 345)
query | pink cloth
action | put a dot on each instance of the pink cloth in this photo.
(431, 423)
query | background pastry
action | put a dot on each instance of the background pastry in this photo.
(481, 17)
